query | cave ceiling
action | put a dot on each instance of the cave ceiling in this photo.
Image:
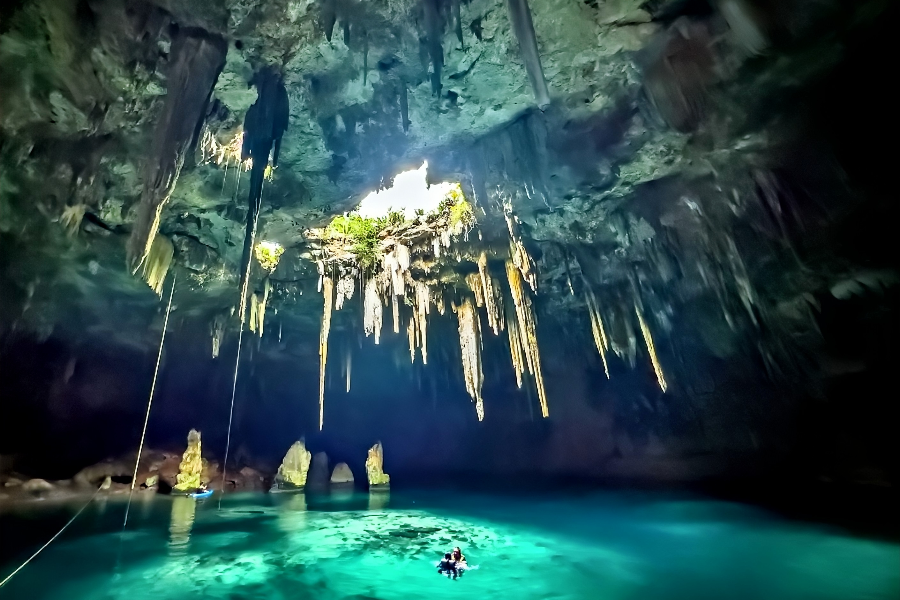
(672, 167)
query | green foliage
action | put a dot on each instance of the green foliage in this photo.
(460, 211)
(362, 232)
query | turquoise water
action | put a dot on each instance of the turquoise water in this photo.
(604, 546)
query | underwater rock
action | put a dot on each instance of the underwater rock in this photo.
(294, 468)
(318, 471)
(375, 467)
(191, 464)
(342, 475)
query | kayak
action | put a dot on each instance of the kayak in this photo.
(205, 494)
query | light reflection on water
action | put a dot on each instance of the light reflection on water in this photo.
(383, 547)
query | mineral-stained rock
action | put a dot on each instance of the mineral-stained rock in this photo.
(38, 486)
(294, 468)
(375, 467)
(191, 464)
(342, 474)
(151, 481)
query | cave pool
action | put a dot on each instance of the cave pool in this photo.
(603, 546)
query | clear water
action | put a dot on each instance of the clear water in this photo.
(294, 547)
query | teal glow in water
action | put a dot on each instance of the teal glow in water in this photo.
(293, 547)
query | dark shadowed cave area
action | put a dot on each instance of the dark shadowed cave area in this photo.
(664, 262)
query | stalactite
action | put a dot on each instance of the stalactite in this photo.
(404, 107)
(327, 291)
(258, 308)
(515, 345)
(474, 281)
(470, 346)
(264, 125)
(344, 291)
(218, 333)
(348, 365)
(434, 30)
(523, 27)
(422, 308)
(457, 21)
(195, 61)
(156, 264)
(493, 300)
(372, 310)
(365, 37)
(519, 254)
(411, 335)
(327, 17)
(527, 331)
(395, 304)
(597, 328)
(651, 349)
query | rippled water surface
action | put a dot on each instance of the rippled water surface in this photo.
(608, 546)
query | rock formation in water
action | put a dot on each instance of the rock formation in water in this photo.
(319, 473)
(375, 467)
(342, 475)
(191, 466)
(294, 468)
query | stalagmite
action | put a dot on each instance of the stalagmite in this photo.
(597, 328)
(327, 291)
(651, 349)
(372, 310)
(294, 468)
(515, 345)
(375, 467)
(156, 264)
(470, 345)
(523, 27)
(188, 478)
(195, 61)
(527, 331)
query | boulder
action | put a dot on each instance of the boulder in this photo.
(294, 468)
(342, 475)
(375, 467)
(151, 481)
(37, 486)
(318, 471)
(92, 476)
(13, 482)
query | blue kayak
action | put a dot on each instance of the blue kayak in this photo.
(205, 494)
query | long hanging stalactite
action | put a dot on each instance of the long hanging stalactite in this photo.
(527, 331)
(597, 329)
(651, 350)
(523, 27)
(470, 347)
(328, 293)
(195, 61)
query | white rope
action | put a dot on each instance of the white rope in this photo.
(162, 340)
(58, 533)
(237, 360)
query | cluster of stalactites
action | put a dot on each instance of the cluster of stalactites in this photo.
(470, 346)
(343, 291)
(519, 255)
(651, 349)
(440, 241)
(527, 331)
(328, 293)
(258, 308)
(597, 329)
(157, 263)
(373, 313)
(417, 329)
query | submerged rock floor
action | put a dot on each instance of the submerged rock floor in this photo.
(359, 547)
